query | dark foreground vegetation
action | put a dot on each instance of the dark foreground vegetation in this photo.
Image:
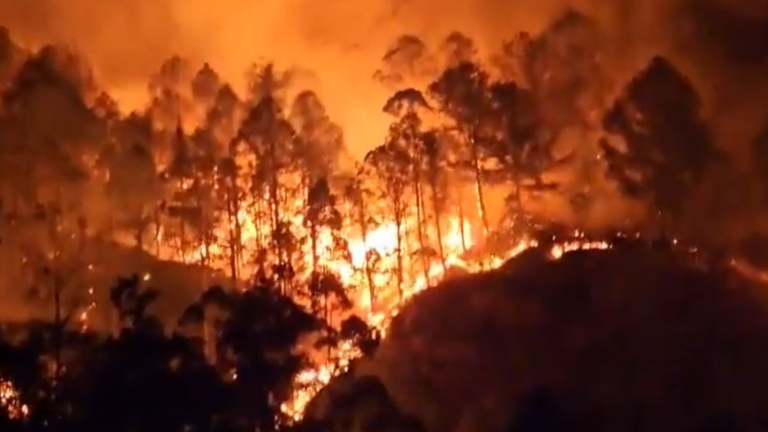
(636, 338)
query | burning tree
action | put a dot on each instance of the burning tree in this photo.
(133, 187)
(190, 177)
(462, 96)
(562, 67)
(406, 134)
(667, 146)
(390, 164)
(170, 94)
(206, 86)
(270, 138)
(320, 141)
(521, 155)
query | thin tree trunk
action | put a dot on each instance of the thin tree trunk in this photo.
(479, 185)
(438, 219)
(232, 219)
(313, 239)
(420, 228)
(398, 224)
(461, 221)
(368, 272)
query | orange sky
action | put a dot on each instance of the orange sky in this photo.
(340, 41)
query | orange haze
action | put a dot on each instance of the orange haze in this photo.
(339, 41)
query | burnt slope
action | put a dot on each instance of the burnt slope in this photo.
(628, 339)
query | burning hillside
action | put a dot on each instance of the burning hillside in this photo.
(219, 188)
(596, 340)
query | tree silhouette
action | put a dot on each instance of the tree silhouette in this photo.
(271, 139)
(206, 85)
(143, 379)
(667, 144)
(406, 132)
(359, 192)
(390, 163)
(521, 155)
(462, 93)
(257, 341)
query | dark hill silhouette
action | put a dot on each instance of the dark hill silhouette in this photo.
(632, 339)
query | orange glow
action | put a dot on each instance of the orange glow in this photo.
(311, 380)
(10, 402)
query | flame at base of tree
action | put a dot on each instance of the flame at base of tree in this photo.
(311, 380)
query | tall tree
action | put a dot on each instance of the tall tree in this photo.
(271, 139)
(562, 67)
(462, 92)
(320, 141)
(258, 340)
(667, 146)
(406, 133)
(170, 94)
(390, 162)
(206, 85)
(359, 192)
(435, 170)
(521, 156)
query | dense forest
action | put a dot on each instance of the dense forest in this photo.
(210, 262)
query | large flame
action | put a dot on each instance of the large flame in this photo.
(311, 380)
(381, 260)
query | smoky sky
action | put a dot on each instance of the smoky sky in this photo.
(340, 42)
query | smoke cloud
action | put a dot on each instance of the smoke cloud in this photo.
(341, 43)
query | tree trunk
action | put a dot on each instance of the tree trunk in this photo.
(313, 239)
(420, 227)
(368, 271)
(276, 241)
(438, 219)
(461, 221)
(399, 226)
(232, 219)
(479, 185)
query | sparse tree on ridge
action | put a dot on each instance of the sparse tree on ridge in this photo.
(667, 146)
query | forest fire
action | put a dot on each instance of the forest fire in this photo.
(311, 380)
(283, 256)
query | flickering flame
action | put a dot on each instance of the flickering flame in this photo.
(311, 380)
(383, 256)
(11, 402)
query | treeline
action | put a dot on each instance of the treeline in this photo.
(260, 184)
